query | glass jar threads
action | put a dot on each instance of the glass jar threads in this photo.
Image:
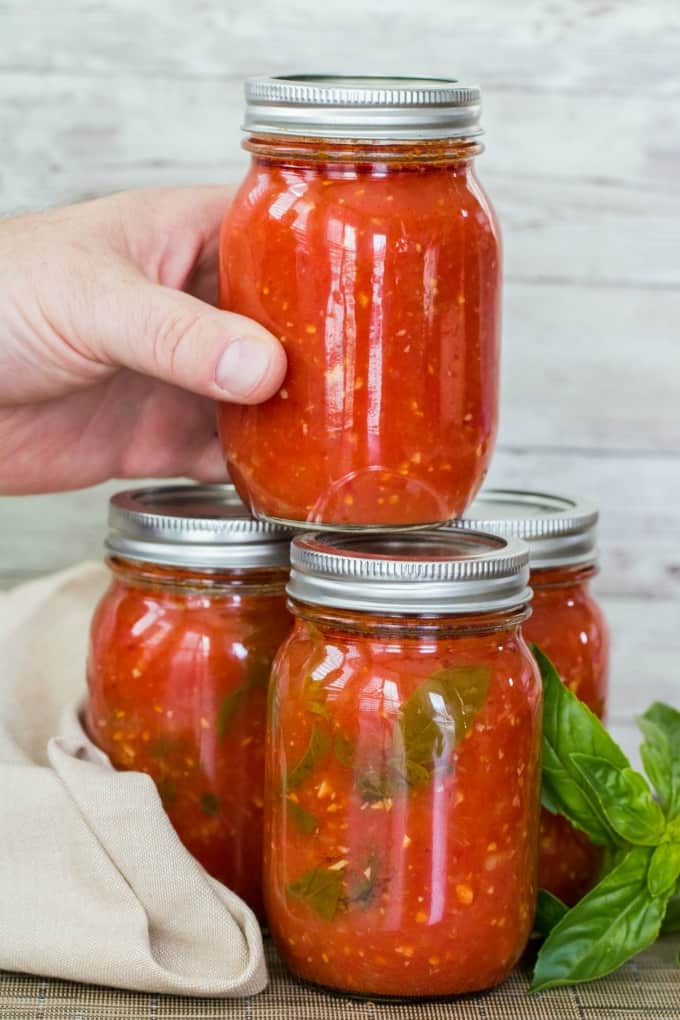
(180, 651)
(362, 238)
(402, 775)
(569, 626)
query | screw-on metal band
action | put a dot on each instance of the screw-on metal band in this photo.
(202, 526)
(362, 107)
(427, 572)
(561, 532)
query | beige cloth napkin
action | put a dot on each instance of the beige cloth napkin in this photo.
(94, 884)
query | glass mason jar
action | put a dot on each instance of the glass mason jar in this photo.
(181, 646)
(362, 238)
(402, 772)
(570, 627)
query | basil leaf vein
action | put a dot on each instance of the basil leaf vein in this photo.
(625, 799)
(660, 753)
(664, 869)
(569, 727)
(613, 922)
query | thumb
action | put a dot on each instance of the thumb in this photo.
(177, 338)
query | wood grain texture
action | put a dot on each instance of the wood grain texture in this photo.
(574, 46)
(583, 164)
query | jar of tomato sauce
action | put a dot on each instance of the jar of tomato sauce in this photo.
(402, 773)
(362, 238)
(570, 627)
(181, 646)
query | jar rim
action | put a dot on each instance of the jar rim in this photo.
(419, 573)
(362, 107)
(201, 526)
(560, 530)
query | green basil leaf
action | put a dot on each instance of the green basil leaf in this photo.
(664, 869)
(655, 753)
(361, 888)
(257, 673)
(344, 750)
(568, 727)
(305, 821)
(167, 789)
(318, 745)
(320, 889)
(671, 922)
(549, 911)
(437, 716)
(416, 773)
(375, 784)
(315, 698)
(613, 922)
(210, 805)
(165, 745)
(229, 706)
(625, 799)
(660, 753)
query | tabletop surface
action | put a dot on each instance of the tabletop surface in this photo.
(647, 988)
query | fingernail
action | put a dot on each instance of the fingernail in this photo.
(242, 367)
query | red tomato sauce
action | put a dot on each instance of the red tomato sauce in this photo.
(178, 671)
(400, 857)
(569, 626)
(382, 279)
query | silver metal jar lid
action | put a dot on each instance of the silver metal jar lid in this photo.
(362, 107)
(203, 526)
(427, 573)
(560, 531)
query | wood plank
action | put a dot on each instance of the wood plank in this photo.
(127, 129)
(607, 216)
(591, 367)
(645, 655)
(569, 45)
(639, 533)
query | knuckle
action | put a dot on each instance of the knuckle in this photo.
(174, 335)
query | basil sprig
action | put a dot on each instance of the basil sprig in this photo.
(589, 780)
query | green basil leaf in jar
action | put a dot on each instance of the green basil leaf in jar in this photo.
(321, 889)
(437, 716)
(319, 743)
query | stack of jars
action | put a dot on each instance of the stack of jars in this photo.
(383, 814)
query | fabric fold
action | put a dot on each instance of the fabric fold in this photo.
(94, 883)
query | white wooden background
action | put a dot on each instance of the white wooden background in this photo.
(582, 111)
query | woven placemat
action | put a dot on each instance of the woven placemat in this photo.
(648, 988)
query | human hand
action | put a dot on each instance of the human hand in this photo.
(111, 355)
